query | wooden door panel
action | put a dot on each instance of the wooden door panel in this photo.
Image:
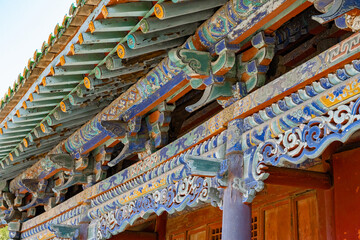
(277, 222)
(197, 234)
(307, 218)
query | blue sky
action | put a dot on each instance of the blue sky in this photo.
(25, 25)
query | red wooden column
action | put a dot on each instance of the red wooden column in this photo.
(346, 167)
(236, 215)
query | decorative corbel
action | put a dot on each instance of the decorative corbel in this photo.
(211, 93)
(59, 180)
(195, 64)
(158, 123)
(102, 159)
(254, 63)
(133, 135)
(203, 73)
(12, 213)
(79, 170)
(38, 189)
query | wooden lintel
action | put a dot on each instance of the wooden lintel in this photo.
(135, 236)
(297, 178)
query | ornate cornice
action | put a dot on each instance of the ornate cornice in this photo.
(298, 144)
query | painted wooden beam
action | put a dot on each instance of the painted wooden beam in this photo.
(153, 24)
(54, 89)
(59, 115)
(61, 80)
(131, 9)
(13, 135)
(76, 100)
(112, 25)
(92, 48)
(32, 112)
(139, 40)
(16, 130)
(79, 60)
(7, 147)
(72, 122)
(91, 82)
(9, 141)
(101, 37)
(297, 177)
(124, 51)
(68, 71)
(103, 73)
(166, 10)
(113, 63)
(32, 105)
(25, 124)
(34, 97)
(16, 119)
(39, 133)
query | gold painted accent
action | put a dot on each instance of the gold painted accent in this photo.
(92, 27)
(1, 131)
(62, 60)
(63, 106)
(18, 113)
(31, 97)
(43, 81)
(37, 90)
(120, 51)
(52, 70)
(352, 88)
(87, 83)
(11, 157)
(42, 127)
(159, 11)
(72, 49)
(26, 144)
(104, 11)
(6, 125)
(278, 124)
(81, 38)
(24, 105)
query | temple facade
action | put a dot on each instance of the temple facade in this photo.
(187, 120)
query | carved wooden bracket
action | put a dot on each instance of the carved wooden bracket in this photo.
(158, 124)
(254, 63)
(40, 196)
(134, 137)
